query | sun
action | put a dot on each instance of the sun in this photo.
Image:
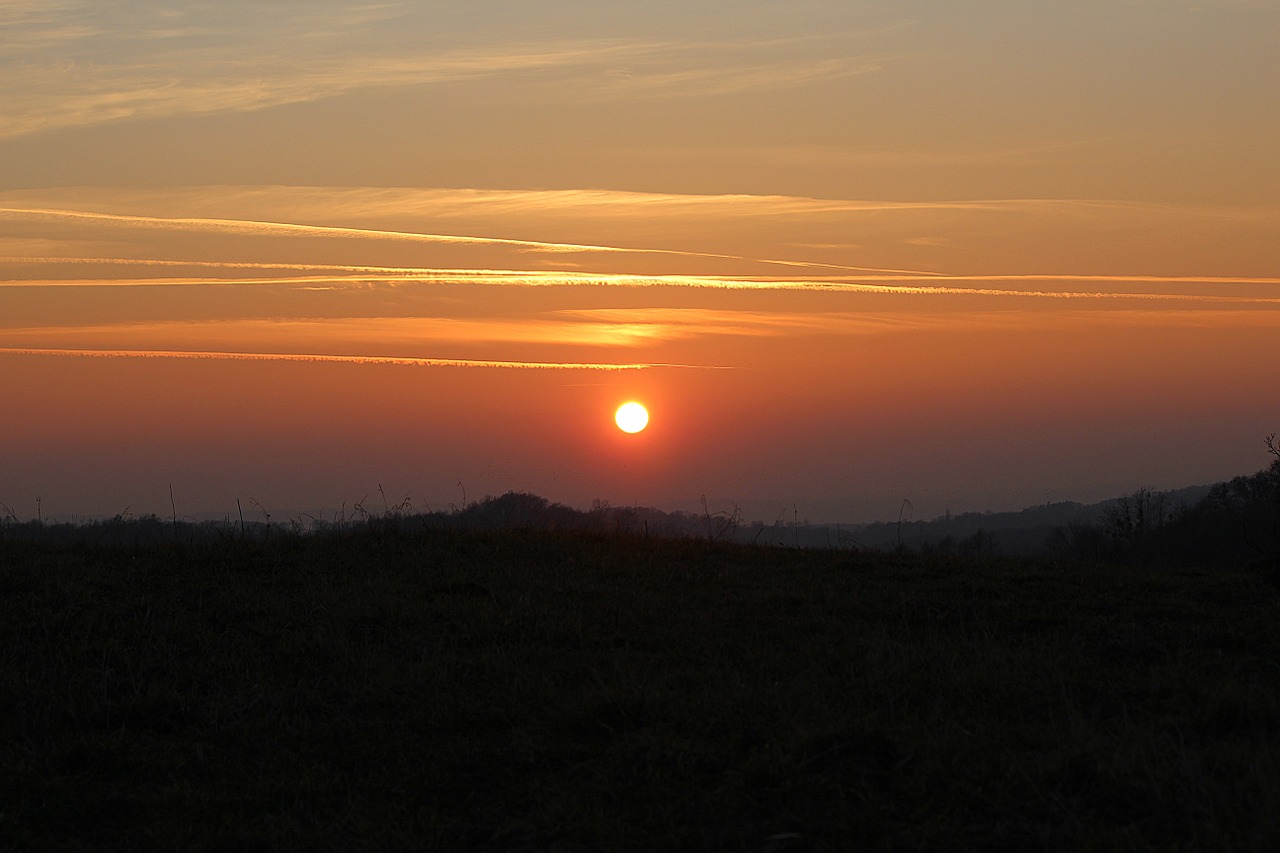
(631, 417)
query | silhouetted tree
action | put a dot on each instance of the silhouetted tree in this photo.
(1078, 542)
(1237, 523)
(978, 545)
(1136, 515)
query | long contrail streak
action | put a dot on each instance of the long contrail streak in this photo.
(253, 226)
(402, 361)
(869, 278)
(904, 285)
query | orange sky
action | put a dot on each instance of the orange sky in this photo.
(976, 257)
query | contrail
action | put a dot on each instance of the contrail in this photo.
(888, 285)
(883, 282)
(402, 361)
(253, 226)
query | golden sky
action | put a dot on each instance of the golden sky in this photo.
(978, 255)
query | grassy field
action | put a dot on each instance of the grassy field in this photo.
(384, 690)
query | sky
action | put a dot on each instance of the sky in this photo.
(299, 256)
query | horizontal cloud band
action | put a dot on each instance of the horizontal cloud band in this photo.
(354, 359)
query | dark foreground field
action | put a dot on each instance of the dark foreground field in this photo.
(447, 690)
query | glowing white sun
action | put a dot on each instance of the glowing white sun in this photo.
(631, 417)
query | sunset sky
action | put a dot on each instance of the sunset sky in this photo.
(976, 255)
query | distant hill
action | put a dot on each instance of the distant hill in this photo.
(1034, 531)
(1022, 533)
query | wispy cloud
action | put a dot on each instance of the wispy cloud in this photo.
(352, 359)
(295, 203)
(645, 325)
(1105, 286)
(73, 87)
(68, 64)
(248, 226)
(1072, 287)
(412, 332)
(322, 237)
(264, 228)
(705, 80)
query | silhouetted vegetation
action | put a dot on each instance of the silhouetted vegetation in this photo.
(385, 687)
(1235, 524)
(517, 674)
(1231, 524)
(511, 511)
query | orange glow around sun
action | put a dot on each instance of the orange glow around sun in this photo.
(631, 417)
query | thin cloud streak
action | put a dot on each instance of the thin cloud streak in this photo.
(355, 359)
(258, 227)
(364, 271)
(62, 94)
(720, 81)
(877, 284)
(288, 204)
(858, 277)
(412, 331)
(125, 65)
(250, 226)
(383, 201)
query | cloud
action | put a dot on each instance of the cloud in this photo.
(67, 89)
(698, 81)
(937, 284)
(415, 331)
(24, 17)
(254, 227)
(265, 228)
(671, 324)
(74, 64)
(1203, 289)
(351, 359)
(295, 203)
(629, 239)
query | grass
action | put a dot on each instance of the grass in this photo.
(559, 691)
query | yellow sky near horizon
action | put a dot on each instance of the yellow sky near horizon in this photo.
(824, 239)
